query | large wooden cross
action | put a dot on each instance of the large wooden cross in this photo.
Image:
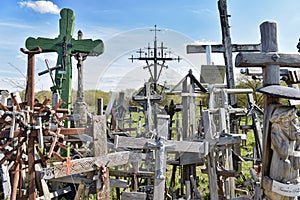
(65, 46)
(270, 61)
(226, 48)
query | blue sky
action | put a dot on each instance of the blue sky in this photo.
(124, 26)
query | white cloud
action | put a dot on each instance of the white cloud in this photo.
(15, 25)
(41, 6)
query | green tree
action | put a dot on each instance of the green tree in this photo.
(247, 82)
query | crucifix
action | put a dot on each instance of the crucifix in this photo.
(271, 61)
(65, 46)
(80, 108)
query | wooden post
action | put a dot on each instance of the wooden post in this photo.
(100, 106)
(33, 133)
(271, 76)
(188, 125)
(226, 40)
(160, 158)
(211, 163)
(6, 183)
(185, 111)
(100, 148)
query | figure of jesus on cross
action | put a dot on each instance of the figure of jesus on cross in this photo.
(65, 46)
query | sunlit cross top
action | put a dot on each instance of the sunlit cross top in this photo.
(65, 46)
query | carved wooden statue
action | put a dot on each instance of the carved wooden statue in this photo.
(285, 143)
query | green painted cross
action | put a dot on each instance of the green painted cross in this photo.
(65, 46)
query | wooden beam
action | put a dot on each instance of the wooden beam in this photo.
(219, 48)
(141, 143)
(265, 59)
(134, 195)
(90, 163)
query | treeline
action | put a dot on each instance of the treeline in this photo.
(91, 96)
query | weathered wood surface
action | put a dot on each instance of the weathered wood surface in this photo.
(186, 158)
(226, 41)
(126, 173)
(270, 61)
(56, 193)
(81, 179)
(100, 149)
(185, 111)
(5, 177)
(270, 58)
(133, 195)
(285, 161)
(161, 157)
(210, 136)
(219, 48)
(99, 135)
(90, 163)
(288, 190)
(280, 91)
(179, 146)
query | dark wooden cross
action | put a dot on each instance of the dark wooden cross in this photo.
(270, 61)
(226, 48)
(65, 46)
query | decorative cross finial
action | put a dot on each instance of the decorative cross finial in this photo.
(298, 46)
(155, 30)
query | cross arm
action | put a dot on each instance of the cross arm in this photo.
(92, 47)
(46, 44)
(90, 163)
(178, 146)
(219, 48)
(264, 59)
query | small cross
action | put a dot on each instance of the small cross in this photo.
(68, 163)
(155, 30)
(56, 135)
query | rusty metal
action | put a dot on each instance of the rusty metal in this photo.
(74, 131)
(29, 97)
(16, 177)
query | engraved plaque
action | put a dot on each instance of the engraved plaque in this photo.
(212, 74)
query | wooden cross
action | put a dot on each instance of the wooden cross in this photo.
(68, 164)
(270, 61)
(161, 149)
(65, 46)
(121, 110)
(226, 48)
(147, 100)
